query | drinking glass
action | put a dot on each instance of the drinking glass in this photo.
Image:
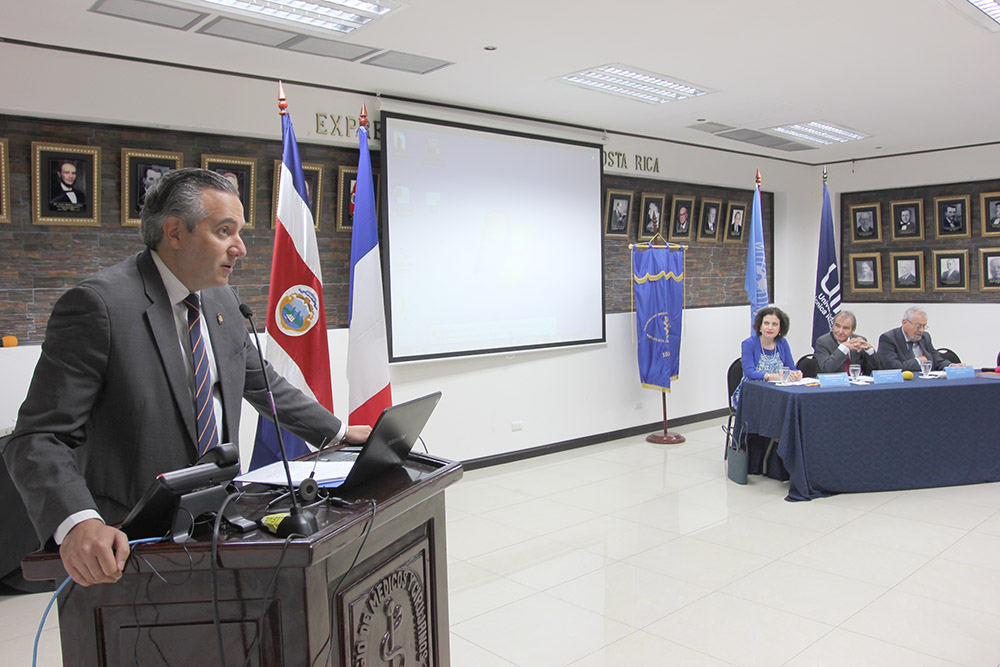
(784, 373)
(925, 367)
(855, 371)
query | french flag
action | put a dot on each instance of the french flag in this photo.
(296, 318)
(367, 352)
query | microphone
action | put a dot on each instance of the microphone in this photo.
(298, 521)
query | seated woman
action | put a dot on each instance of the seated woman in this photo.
(763, 355)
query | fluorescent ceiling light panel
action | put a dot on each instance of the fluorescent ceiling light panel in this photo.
(149, 12)
(634, 83)
(819, 132)
(326, 16)
(984, 12)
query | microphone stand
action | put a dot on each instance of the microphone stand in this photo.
(299, 521)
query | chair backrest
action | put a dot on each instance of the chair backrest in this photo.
(998, 358)
(808, 365)
(949, 355)
(733, 377)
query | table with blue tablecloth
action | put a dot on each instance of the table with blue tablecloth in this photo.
(916, 434)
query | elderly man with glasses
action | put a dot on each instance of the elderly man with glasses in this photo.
(910, 344)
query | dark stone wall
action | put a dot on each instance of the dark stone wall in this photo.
(40, 262)
(980, 236)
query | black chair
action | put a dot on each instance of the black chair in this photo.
(998, 359)
(733, 377)
(949, 355)
(808, 365)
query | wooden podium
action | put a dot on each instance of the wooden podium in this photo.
(390, 609)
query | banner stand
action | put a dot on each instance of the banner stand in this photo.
(665, 438)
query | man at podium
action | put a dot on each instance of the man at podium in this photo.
(143, 368)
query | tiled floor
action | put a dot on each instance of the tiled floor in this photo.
(632, 554)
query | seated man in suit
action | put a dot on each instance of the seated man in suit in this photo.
(910, 344)
(840, 348)
(113, 401)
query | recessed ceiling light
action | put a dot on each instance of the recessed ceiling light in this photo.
(819, 132)
(326, 16)
(634, 83)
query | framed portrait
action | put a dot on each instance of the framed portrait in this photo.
(140, 170)
(866, 271)
(735, 216)
(951, 215)
(348, 182)
(313, 174)
(866, 223)
(989, 269)
(907, 220)
(243, 174)
(711, 214)
(681, 217)
(907, 271)
(951, 271)
(652, 215)
(617, 208)
(989, 211)
(4, 181)
(65, 184)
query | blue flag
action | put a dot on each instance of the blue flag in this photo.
(658, 285)
(756, 278)
(826, 305)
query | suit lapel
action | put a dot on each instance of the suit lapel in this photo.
(160, 316)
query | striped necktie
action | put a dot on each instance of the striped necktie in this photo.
(208, 433)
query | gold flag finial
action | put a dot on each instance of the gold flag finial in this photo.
(282, 102)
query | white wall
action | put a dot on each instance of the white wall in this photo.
(557, 394)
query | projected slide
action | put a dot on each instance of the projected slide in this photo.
(493, 240)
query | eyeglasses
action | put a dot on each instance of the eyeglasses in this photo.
(918, 327)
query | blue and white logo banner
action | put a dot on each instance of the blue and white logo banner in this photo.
(826, 304)
(658, 286)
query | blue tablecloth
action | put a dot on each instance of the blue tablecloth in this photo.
(916, 434)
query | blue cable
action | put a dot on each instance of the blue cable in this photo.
(45, 614)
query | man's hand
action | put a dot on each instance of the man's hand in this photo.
(356, 435)
(94, 553)
(858, 344)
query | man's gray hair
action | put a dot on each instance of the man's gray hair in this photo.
(178, 194)
(913, 311)
(847, 313)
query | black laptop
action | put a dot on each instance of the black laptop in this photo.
(390, 442)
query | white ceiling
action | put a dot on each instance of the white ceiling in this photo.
(913, 74)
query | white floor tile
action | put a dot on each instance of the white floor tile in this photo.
(873, 563)
(643, 649)
(824, 597)
(976, 548)
(540, 563)
(613, 537)
(541, 631)
(474, 536)
(738, 631)
(473, 591)
(969, 586)
(912, 535)
(629, 594)
(939, 629)
(758, 536)
(702, 563)
(841, 648)
(464, 652)
(937, 509)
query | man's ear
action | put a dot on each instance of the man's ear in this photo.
(173, 229)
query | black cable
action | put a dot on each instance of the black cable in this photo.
(330, 611)
(215, 575)
(268, 594)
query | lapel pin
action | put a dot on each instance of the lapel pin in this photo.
(219, 317)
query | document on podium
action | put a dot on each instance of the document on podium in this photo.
(329, 474)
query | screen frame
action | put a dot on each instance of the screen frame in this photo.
(385, 249)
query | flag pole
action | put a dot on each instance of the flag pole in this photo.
(667, 437)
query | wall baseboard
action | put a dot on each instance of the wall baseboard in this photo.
(542, 450)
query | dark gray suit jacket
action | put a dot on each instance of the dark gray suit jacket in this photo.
(830, 359)
(894, 351)
(110, 404)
